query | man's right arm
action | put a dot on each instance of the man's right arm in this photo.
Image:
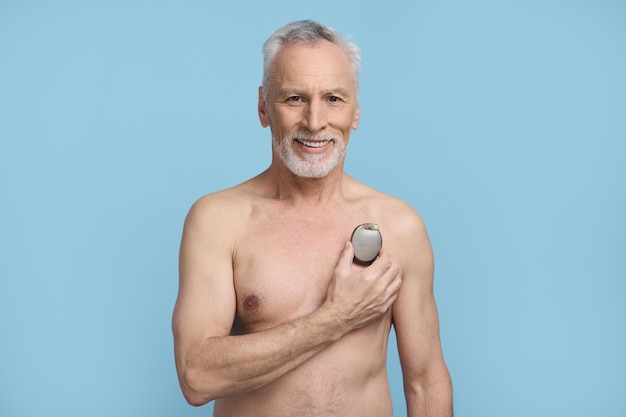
(212, 364)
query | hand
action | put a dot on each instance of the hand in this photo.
(358, 295)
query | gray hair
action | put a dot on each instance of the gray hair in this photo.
(309, 32)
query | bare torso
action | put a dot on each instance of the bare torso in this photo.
(272, 317)
(283, 262)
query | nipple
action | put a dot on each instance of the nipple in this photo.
(251, 303)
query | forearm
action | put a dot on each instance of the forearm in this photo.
(228, 365)
(433, 400)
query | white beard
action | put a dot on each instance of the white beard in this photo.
(310, 165)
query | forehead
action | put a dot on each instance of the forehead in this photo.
(320, 64)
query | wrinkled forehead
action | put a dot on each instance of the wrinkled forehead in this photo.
(321, 60)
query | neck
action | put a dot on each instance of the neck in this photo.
(298, 190)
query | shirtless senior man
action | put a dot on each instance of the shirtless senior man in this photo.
(273, 317)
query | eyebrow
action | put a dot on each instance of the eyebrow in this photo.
(285, 92)
(339, 91)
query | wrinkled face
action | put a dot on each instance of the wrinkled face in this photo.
(311, 107)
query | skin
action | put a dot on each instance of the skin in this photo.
(273, 318)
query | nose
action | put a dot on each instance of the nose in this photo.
(315, 116)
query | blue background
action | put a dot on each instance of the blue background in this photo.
(502, 122)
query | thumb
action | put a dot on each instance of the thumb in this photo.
(345, 261)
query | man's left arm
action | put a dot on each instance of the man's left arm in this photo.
(427, 383)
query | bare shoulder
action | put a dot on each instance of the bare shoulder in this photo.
(222, 209)
(409, 239)
(397, 216)
(403, 229)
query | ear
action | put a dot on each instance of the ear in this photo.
(263, 117)
(355, 119)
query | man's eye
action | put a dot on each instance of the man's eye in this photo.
(294, 98)
(333, 99)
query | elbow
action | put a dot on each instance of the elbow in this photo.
(195, 399)
(196, 389)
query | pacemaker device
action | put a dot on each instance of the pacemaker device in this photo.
(367, 241)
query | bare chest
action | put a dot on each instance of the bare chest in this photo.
(283, 266)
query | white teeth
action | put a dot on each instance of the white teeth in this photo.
(313, 144)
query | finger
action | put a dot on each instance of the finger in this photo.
(383, 261)
(347, 255)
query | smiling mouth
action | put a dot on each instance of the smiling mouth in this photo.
(314, 143)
